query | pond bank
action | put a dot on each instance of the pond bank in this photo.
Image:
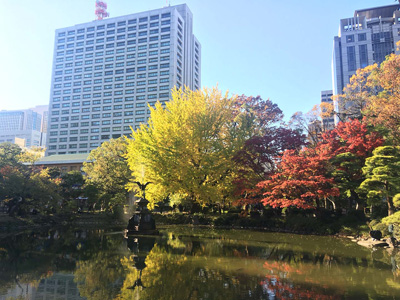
(11, 225)
(296, 224)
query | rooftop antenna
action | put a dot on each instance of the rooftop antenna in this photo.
(101, 10)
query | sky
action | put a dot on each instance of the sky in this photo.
(279, 50)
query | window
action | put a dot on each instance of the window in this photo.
(121, 23)
(363, 55)
(362, 37)
(133, 21)
(350, 38)
(166, 15)
(351, 58)
(111, 25)
(155, 17)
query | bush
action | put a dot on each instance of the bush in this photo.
(226, 220)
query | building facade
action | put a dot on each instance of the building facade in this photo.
(22, 127)
(107, 72)
(364, 39)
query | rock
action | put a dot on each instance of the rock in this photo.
(371, 243)
(195, 220)
(392, 242)
(376, 234)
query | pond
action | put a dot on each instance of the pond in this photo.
(192, 263)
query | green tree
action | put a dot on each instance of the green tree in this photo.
(9, 154)
(382, 172)
(187, 148)
(107, 169)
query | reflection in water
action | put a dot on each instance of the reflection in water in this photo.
(187, 263)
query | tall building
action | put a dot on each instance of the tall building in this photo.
(22, 127)
(44, 111)
(328, 123)
(106, 73)
(364, 39)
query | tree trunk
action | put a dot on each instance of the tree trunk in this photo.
(390, 206)
(389, 200)
(333, 204)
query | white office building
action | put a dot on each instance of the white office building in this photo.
(22, 127)
(106, 73)
(364, 39)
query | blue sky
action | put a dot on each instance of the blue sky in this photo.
(276, 49)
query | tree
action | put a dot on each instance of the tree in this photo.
(107, 169)
(349, 144)
(72, 183)
(374, 92)
(382, 171)
(9, 154)
(188, 146)
(31, 155)
(300, 180)
(356, 94)
(258, 158)
(383, 105)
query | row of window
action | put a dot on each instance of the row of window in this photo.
(118, 44)
(108, 86)
(111, 72)
(93, 123)
(361, 37)
(121, 37)
(98, 102)
(113, 25)
(118, 51)
(111, 58)
(108, 94)
(116, 78)
(94, 116)
(110, 33)
(99, 63)
(86, 131)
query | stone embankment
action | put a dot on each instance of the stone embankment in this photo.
(372, 243)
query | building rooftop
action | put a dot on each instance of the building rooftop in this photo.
(63, 159)
(376, 12)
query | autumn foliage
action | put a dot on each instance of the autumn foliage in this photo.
(300, 180)
(307, 178)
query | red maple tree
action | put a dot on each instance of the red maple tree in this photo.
(300, 180)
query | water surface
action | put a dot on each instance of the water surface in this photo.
(192, 263)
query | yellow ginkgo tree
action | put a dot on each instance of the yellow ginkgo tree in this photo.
(187, 147)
